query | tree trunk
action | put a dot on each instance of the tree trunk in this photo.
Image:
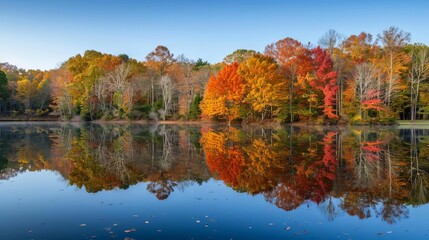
(290, 101)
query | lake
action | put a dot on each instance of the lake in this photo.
(91, 181)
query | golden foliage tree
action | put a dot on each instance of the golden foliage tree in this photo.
(264, 87)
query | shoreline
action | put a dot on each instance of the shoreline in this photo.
(398, 123)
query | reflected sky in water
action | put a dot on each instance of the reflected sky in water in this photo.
(191, 182)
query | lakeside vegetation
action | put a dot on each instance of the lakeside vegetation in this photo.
(359, 79)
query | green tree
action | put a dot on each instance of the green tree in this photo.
(4, 91)
(195, 111)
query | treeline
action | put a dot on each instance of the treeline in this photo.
(102, 86)
(357, 79)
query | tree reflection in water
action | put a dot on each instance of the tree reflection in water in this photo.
(363, 172)
(359, 171)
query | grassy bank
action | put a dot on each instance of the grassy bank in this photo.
(28, 119)
(415, 122)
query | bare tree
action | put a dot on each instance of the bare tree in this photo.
(330, 40)
(186, 86)
(418, 72)
(419, 178)
(158, 62)
(117, 83)
(61, 94)
(393, 40)
(168, 88)
(168, 153)
(366, 85)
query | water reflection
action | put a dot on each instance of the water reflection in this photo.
(372, 172)
(363, 172)
(104, 157)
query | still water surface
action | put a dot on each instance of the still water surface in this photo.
(61, 181)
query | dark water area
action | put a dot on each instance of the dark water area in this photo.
(63, 181)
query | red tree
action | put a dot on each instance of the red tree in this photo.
(325, 81)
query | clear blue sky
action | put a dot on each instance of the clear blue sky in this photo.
(42, 34)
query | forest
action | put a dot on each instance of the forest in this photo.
(357, 79)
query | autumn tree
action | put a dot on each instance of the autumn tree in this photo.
(394, 59)
(86, 71)
(264, 87)
(331, 41)
(137, 89)
(190, 80)
(325, 81)
(97, 85)
(355, 50)
(359, 48)
(62, 100)
(33, 91)
(223, 94)
(295, 61)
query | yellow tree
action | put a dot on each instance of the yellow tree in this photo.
(223, 95)
(33, 91)
(264, 87)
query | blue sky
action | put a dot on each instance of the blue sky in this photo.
(43, 34)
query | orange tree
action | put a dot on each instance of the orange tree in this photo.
(223, 94)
